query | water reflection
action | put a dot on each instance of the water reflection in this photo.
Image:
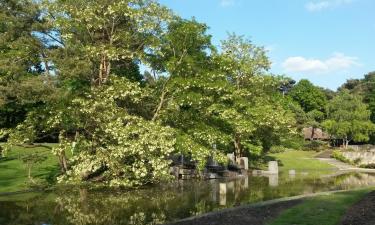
(161, 204)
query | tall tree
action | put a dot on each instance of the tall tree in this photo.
(252, 107)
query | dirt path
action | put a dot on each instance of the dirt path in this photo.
(242, 216)
(362, 213)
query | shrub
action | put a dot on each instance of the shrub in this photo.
(278, 149)
(294, 142)
(339, 156)
(315, 146)
(368, 166)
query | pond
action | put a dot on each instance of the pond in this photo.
(165, 203)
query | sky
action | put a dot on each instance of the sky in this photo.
(325, 41)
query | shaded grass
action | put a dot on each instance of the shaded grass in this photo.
(324, 210)
(301, 161)
(13, 172)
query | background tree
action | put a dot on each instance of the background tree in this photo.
(313, 101)
(252, 108)
(348, 118)
(366, 88)
(23, 71)
(308, 96)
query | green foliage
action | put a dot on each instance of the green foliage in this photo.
(348, 118)
(278, 149)
(242, 59)
(315, 145)
(339, 156)
(295, 142)
(111, 145)
(308, 96)
(78, 82)
(366, 88)
(97, 38)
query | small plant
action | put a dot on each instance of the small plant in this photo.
(30, 160)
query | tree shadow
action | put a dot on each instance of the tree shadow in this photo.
(6, 159)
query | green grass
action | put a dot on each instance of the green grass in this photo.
(300, 161)
(13, 172)
(324, 210)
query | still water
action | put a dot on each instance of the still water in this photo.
(162, 204)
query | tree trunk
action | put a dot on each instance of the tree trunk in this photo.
(237, 146)
(160, 105)
(63, 162)
(312, 133)
(104, 70)
(162, 99)
(29, 172)
(347, 143)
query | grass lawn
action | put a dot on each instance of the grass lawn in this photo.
(13, 172)
(301, 161)
(324, 210)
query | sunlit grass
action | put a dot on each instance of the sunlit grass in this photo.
(325, 209)
(302, 162)
(13, 172)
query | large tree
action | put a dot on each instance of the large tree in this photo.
(252, 108)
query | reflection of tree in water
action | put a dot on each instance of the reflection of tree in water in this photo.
(157, 205)
(96, 208)
(133, 208)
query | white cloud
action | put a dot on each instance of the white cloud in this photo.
(314, 6)
(227, 3)
(336, 62)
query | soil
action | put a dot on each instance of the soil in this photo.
(362, 213)
(242, 216)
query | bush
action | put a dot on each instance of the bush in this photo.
(339, 156)
(278, 149)
(368, 166)
(294, 142)
(315, 145)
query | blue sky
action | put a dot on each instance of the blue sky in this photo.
(325, 41)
